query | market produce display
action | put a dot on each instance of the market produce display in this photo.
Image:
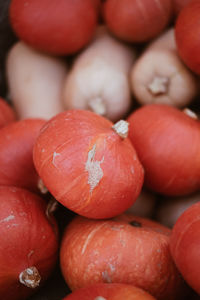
(99, 150)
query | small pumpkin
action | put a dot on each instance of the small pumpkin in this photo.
(88, 163)
(167, 141)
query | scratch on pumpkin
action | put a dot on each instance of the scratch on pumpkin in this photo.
(54, 157)
(7, 219)
(90, 236)
(93, 167)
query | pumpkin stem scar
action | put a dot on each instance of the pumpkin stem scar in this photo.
(159, 86)
(93, 167)
(30, 277)
(121, 128)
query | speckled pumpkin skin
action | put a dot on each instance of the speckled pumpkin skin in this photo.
(126, 249)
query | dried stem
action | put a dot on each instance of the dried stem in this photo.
(121, 128)
(190, 113)
(51, 207)
(30, 277)
(158, 86)
(43, 189)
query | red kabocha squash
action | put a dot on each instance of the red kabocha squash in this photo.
(28, 242)
(105, 291)
(137, 21)
(178, 5)
(88, 164)
(126, 249)
(16, 155)
(185, 245)
(167, 141)
(58, 29)
(7, 114)
(187, 31)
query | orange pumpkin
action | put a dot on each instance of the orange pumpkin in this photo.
(88, 164)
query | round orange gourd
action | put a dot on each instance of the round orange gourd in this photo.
(126, 249)
(167, 141)
(87, 164)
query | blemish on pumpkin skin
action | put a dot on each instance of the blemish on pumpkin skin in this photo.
(7, 219)
(55, 154)
(117, 227)
(93, 167)
(112, 267)
(106, 277)
(30, 253)
(99, 298)
(132, 170)
(90, 236)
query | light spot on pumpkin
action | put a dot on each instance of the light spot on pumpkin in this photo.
(90, 236)
(30, 253)
(112, 267)
(55, 154)
(99, 298)
(7, 219)
(93, 167)
(106, 277)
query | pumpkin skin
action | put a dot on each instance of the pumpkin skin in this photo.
(185, 245)
(56, 29)
(7, 114)
(134, 21)
(27, 238)
(167, 141)
(16, 155)
(187, 32)
(86, 165)
(178, 6)
(114, 291)
(126, 249)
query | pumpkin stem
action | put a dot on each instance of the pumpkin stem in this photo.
(158, 86)
(190, 113)
(51, 207)
(121, 128)
(97, 105)
(43, 189)
(30, 277)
